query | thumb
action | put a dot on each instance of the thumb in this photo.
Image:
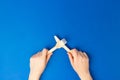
(70, 58)
(48, 56)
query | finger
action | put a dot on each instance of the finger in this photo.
(48, 57)
(44, 52)
(39, 53)
(81, 54)
(74, 52)
(49, 53)
(35, 55)
(70, 58)
(85, 54)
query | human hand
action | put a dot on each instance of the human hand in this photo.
(80, 63)
(38, 63)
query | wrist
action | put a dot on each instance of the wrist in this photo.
(85, 76)
(34, 76)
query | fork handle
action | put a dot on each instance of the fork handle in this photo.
(52, 49)
(66, 48)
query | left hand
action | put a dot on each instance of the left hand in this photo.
(38, 63)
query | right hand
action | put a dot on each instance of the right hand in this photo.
(80, 63)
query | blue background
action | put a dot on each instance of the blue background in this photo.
(28, 26)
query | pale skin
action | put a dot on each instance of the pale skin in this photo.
(79, 61)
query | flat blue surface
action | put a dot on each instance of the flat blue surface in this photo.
(28, 26)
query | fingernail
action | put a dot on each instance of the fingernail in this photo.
(75, 50)
(44, 50)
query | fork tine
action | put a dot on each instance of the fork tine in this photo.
(64, 41)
